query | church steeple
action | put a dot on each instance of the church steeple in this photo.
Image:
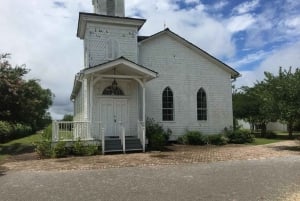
(109, 7)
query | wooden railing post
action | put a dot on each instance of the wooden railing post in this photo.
(103, 139)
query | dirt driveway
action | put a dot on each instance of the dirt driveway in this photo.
(177, 154)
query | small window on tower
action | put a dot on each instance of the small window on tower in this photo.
(112, 49)
(111, 7)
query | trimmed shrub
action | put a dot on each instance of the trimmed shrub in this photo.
(239, 136)
(194, 138)
(157, 136)
(218, 139)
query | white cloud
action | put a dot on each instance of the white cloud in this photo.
(206, 32)
(284, 57)
(248, 59)
(43, 36)
(240, 23)
(246, 7)
(220, 5)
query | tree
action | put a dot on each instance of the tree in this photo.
(250, 105)
(275, 98)
(67, 117)
(285, 92)
(22, 101)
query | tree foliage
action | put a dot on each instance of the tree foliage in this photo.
(276, 98)
(23, 101)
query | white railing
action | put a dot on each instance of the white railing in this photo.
(74, 130)
(122, 136)
(103, 140)
(142, 134)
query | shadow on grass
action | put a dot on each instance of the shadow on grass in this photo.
(15, 149)
(287, 148)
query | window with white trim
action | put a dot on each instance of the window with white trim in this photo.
(167, 105)
(201, 105)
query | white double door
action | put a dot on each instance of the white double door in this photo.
(113, 112)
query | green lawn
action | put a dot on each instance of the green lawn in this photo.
(19, 146)
(261, 141)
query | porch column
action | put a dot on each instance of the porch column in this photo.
(85, 100)
(144, 103)
(92, 125)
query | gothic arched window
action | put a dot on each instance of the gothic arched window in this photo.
(113, 90)
(201, 105)
(167, 105)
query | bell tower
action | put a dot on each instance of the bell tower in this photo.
(109, 7)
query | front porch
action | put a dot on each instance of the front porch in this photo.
(109, 106)
(94, 132)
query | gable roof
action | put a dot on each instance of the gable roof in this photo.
(118, 61)
(233, 72)
(123, 64)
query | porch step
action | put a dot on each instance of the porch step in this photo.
(114, 145)
(133, 144)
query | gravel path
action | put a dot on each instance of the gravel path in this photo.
(275, 179)
(177, 154)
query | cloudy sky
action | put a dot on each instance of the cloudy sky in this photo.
(251, 36)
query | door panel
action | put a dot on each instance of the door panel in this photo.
(113, 111)
(107, 116)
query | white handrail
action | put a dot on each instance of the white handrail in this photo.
(122, 136)
(142, 134)
(102, 139)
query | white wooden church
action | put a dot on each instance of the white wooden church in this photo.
(127, 78)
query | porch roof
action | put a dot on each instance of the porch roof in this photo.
(124, 67)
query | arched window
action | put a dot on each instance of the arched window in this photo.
(113, 90)
(167, 105)
(201, 105)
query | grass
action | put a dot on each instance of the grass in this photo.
(261, 141)
(19, 146)
(65, 135)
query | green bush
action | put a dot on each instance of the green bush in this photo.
(60, 150)
(21, 130)
(47, 133)
(44, 149)
(9, 131)
(157, 136)
(5, 131)
(194, 138)
(218, 139)
(80, 148)
(239, 136)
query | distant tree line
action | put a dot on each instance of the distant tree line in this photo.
(276, 98)
(22, 102)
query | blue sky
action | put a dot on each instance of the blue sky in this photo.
(251, 36)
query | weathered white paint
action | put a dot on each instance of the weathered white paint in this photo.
(185, 72)
(181, 66)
